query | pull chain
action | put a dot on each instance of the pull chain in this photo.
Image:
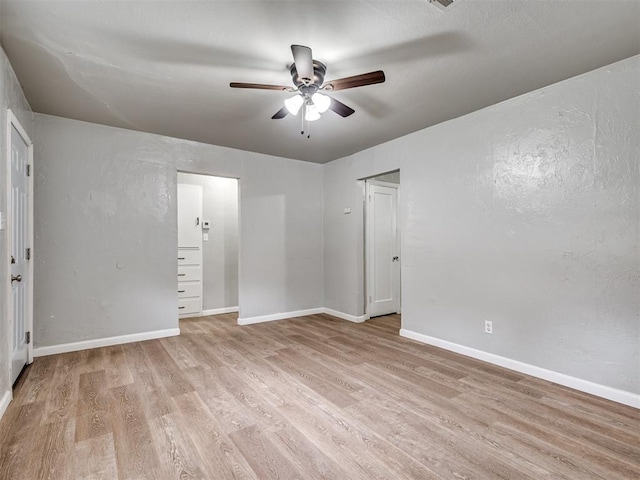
(302, 117)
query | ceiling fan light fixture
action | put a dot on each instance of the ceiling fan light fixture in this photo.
(321, 102)
(293, 104)
(307, 76)
(312, 114)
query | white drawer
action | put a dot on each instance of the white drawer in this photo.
(189, 289)
(189, 257)
(188, 305)
(188, 274)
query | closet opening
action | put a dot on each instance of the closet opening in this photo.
(208, 239)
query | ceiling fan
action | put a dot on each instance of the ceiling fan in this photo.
(308, 80)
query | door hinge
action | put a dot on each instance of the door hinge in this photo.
(28, 254)
(28, 338)
(28, 170)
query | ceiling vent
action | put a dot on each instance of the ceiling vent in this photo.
(444, 5)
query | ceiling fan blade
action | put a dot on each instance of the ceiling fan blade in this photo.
(283, 112)
(258, 86)
(303, 59)
(340, 108)
(356, 81)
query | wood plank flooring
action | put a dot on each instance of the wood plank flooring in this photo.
(311, 398)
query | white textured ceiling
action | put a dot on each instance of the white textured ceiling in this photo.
(165, 66)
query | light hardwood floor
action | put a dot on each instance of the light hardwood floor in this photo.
(313, 397)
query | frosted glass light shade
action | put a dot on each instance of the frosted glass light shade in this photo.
(312, 113)
(321, 102)
(293, 104)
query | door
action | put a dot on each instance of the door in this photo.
(189, 216)
(19, 246)
(383, 259)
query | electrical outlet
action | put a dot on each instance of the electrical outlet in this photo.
(488, 326)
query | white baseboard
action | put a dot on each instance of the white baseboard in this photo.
(345, 316)
(5, 401)
(104, 342)
(279, 316)
(300, 313)
(218, 311)
(620, 396)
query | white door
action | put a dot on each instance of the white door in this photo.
(189, 216)
(383, 266)
(19, 248)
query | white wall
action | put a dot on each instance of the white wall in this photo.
(106, 229)
(12, 97)
(220, 251)
(525, 213)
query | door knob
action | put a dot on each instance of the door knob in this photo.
(17, 278)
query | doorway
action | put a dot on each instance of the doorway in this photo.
(382, 245)
(19, 295)
(208, 245)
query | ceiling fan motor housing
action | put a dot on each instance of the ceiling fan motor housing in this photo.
(309, 86)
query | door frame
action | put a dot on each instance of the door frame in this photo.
(12, 121)
(367, 243)
(239, 256)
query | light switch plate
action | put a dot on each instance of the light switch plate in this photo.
(205, 237)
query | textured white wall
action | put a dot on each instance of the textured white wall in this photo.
(11, 96)
(106, 229)
(220, 252)
(525, 213)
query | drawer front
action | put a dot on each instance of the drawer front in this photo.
(188, 274)
(188, 305)
(189, 257)
(189, 289)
